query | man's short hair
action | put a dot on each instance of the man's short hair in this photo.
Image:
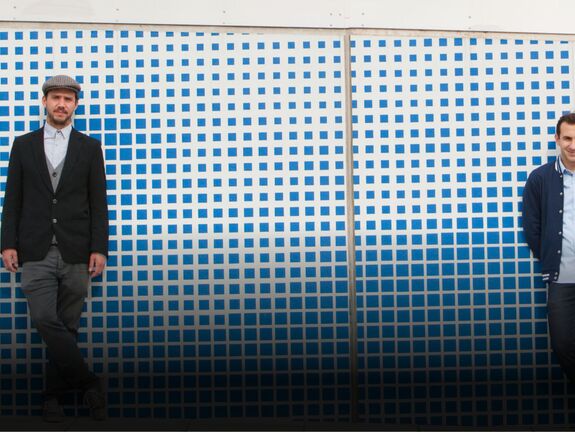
(568, 118)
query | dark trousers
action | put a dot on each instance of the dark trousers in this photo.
(56, 292)
(561, 317)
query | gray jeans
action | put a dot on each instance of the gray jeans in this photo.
(56, 292)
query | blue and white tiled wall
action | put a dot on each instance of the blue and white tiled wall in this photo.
(227, 292)
(452, 319)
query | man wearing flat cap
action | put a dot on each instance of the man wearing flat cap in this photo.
(55, 228)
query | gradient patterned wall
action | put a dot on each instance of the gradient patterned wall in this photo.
(228, 286)
(452, 320)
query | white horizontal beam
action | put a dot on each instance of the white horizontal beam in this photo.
(521, 16)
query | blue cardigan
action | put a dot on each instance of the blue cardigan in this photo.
(543, 217)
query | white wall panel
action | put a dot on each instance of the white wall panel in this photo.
(527, 16)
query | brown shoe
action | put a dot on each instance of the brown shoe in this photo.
(96, 401)
(52, 411)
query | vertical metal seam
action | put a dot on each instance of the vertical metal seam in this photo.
(350, 211)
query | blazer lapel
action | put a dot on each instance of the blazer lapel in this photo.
(71, 156)
(40, 157)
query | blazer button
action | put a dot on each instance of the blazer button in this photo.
(560, 211)
(54, 220)
(559, 251)
(560, 232)
(54, 201)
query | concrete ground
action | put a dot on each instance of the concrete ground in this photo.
(33, 423)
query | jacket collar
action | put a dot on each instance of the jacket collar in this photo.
(40, 156)
(71, 156)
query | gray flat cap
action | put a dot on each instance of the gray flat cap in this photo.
(61, 82)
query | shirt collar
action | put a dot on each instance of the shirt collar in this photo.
(50, 131)
(562, 168)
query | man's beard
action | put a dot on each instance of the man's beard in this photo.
(57, 122)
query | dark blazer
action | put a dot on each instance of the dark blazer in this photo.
(76, 212)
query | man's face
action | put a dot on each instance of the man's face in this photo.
(60, 105)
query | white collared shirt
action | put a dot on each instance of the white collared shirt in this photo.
(56, 143)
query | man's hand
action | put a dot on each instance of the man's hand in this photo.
(96, 264)
(10, 259)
